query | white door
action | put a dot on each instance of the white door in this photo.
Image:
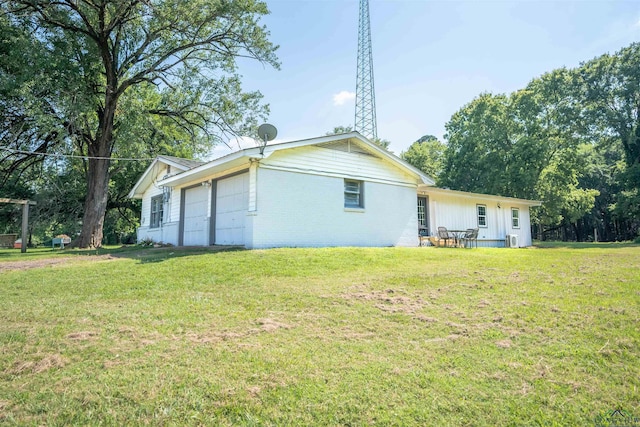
(500, 226)
(232, 204)
(196, 230)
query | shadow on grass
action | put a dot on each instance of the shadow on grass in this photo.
(139, 253)
(147, 255)
(585, 245)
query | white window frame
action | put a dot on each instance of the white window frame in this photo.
(423, 215)
(482, 218)
(156, 211)
(515, 220)
(349, 193)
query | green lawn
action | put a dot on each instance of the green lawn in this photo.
(341, 336)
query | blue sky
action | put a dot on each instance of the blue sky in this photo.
(430, 57)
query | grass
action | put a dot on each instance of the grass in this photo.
(340, 336)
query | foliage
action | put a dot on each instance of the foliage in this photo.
(126, 77)
(339, 130)
(383, 143)
(336, 336)
(346, 129)
(426, 154)
(610, 86)
(562, 139)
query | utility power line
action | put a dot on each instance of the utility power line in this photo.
(74, 156)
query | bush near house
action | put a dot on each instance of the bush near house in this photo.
(341, 336)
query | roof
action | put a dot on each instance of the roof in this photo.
(187, 163)
(244, 156)
(466, 194)
(147, 177)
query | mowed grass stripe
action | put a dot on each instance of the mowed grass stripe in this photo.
(338, 336)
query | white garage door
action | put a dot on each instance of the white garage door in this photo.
(196, 230)
(232, 203)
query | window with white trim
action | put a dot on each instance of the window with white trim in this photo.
(482, 215)
(515, 218)
(156, 211)
(353, 194)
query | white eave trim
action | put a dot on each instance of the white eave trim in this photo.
(477, 196)
(209, 168)
(133, 194)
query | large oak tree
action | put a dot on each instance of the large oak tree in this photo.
(180, 57)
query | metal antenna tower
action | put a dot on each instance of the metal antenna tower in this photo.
(365, 92)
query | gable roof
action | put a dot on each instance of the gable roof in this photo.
(148, 176)
(243, 156)
(179, 161)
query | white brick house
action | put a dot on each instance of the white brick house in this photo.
(339, 190)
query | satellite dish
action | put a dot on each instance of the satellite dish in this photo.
(267, 132)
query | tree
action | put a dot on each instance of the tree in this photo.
(29, 122)
(383, 143)
(184, 52)
(346, 129)
(610, 87)
(340, 129)
(523, 145)
(603, 168)
(571, 138)
(480, 137)
(426, 154)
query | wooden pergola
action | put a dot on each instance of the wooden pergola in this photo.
(25, 218)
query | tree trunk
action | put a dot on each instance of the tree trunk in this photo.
(95, 205)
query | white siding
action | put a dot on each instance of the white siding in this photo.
(459, 213)
(325, 161)
(299, 209)
(152, 191)
(524, 231)
(174, 206)
(295, 197)
(168, 231)
(253, 190)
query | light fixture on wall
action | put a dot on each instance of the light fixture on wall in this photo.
(206, 183)
(499, 205)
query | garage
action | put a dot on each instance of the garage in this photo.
(196, 227)
(232, 203)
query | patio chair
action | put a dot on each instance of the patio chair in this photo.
(469, 237)
(444, 235)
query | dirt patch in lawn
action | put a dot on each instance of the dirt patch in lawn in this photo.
(390, 300)
(82, 335)
(49, 262)
(36, 366)
(264, 325)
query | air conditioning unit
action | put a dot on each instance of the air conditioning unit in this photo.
(512, 241)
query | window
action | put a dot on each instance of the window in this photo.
(353, 194)
(156, 211)
(515, 218)
(482, 215)
(422, 215)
